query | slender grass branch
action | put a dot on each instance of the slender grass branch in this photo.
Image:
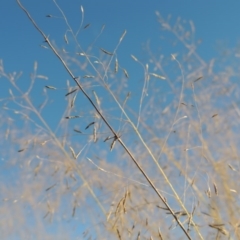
(114, 133)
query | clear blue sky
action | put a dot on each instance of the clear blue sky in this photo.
(215, 21)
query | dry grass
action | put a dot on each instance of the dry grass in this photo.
(116, 169)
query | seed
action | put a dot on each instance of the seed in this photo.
(73, 101)
(125, 73)
(113, 143)
(50, 87)
(89, 125)
(78, 131)
(198, 79)
(71, 117)
(123, 35)
(94, 134)
(88, 76)
(65, 38)
(74, 90)
(50, 187)
(73, 153)
(134, 58)
(116, 66)
(87, 25)
(106, 52)
(215, 188)
(157, 76)
(96, 97)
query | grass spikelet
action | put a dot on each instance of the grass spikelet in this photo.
(173, 56)
(73, 101)
(74, 90)
(37, 169)
(73, 152)
(119, 207)
(123, 35)
(215, 188)
(134, 58)
(81, 54)
(88, 76)
(231, 167)
(157, 76)
(125, 73)
(43, 46)
(49, 188)
(90, 124)
(42, 77)
(219, 227)
(74, 208)
(72, 117)
(46, 215)
(65, 38)
(113, 143)
(119, 235)
(76, 130)
(64, 50)
(50, 87)
(94, 134)
(21, 150)
(108, 138)
(106, 52)
(160, 235)
(127, 97)
(208, 193)
(97, 99)
(197, 79)
(116, 66)
(86, 26)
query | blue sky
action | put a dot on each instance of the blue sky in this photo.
(214, 20)
(216, 23)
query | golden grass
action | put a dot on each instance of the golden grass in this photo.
(166, 168)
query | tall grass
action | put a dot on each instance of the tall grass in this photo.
(164, 168)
